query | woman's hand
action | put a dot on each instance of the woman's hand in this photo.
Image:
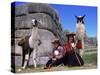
(53, 59)
(73, 45)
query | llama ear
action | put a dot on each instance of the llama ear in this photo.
(75, 16)
(84, 15)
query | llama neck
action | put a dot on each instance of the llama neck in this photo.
(80, 26)
(34, 31)
(33, 37)
(34, 34)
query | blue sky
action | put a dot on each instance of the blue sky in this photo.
(67, 18)
(67, 14)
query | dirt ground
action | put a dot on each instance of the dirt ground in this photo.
(59, 68)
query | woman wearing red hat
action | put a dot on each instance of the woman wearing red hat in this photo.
(71, 58)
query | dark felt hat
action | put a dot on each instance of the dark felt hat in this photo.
(55, 41)
(72, 34)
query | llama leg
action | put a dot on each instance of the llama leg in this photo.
(26, 60)
(23, 58)
(83, 43)
(30, 51)
(82, 51)
(34, 58)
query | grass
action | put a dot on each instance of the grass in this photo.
(90, 60)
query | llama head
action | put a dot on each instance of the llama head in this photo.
(80, 19)
(34, 23)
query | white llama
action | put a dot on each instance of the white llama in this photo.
(33, 41)
(80, 32)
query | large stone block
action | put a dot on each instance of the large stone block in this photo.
(49, 28)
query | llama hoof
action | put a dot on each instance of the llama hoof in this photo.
(23, 68)
(45, 68)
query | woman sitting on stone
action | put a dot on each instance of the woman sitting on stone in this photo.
(56, 56)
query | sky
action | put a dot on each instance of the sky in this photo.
(67, 18)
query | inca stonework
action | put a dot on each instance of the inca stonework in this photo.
(49, 28)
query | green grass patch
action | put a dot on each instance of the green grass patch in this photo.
(90, 58)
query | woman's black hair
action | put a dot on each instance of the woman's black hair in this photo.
(57, 42)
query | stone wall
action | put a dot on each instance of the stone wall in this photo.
(49, 27)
